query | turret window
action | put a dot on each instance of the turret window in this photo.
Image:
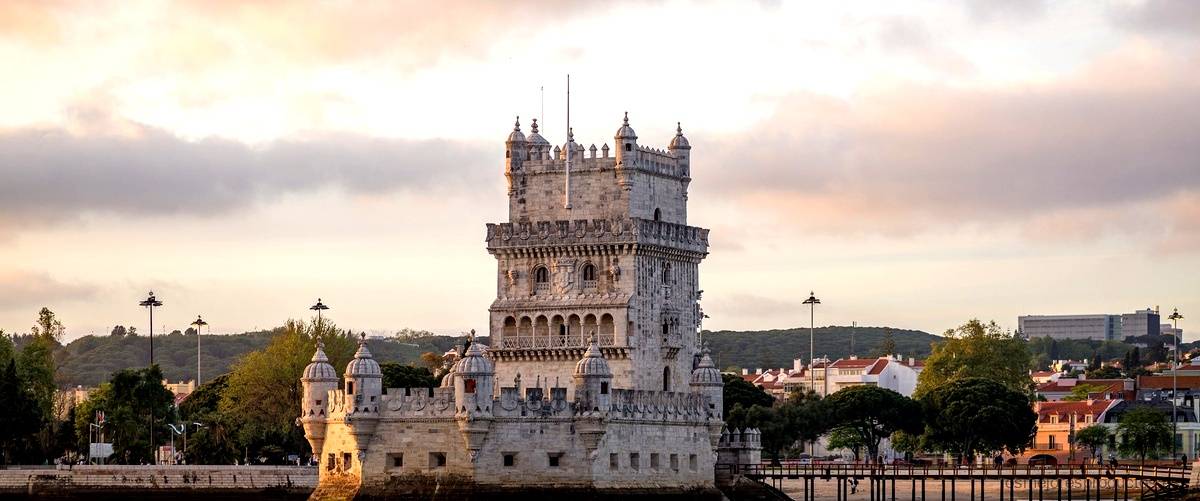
(468, 385)
(349, 387)
(658, 214)
(666, 273)
(628, 146)
(604, 387)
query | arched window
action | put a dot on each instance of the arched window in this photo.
(589, 272)
(666, 273)
(658, 214)
(666, 379)
(541, 275)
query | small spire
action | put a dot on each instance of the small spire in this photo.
(534, 126)
(571, 135)
(517, 125)
(626, 118)
(678, 129)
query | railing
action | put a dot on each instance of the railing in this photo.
(1046, 446)
(1175, 473)
(573, 340)
(541, 288)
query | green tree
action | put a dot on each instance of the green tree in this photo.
(397, 375)
(738, 391)
(128, 401)
(263, 397)
(976, 415)
(1143, 431)
(1080, 392)
(214, 441)
(887, 346)
(21, 417)
(1094, 438)
(910, 444)
(37, 370)
(873, 413)
(844, 437)
(975, 349)
(1106, 372)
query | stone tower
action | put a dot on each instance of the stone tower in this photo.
(612, 257)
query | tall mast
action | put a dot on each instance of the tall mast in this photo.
(567, 191)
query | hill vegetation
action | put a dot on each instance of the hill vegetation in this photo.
(91, 360)
(777, 348)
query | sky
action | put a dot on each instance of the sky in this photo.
(916, 164)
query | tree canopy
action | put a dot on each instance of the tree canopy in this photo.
(264, 389)
(1094, 438)
(873, 413)
(975, 349)
(738, 391)
(127, 401)
(1144, 432)
(976, 415)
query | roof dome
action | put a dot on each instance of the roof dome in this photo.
(473, 362)
(679, 142)
(319, 369)
(593, 362)
(363, 364)
(535, 138)
(626, 132)
(516, 136)
(706, 372)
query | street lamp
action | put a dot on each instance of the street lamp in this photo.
(812, 302)
(1175, 317)
(319, 307)
(151, 302)
(198, 323)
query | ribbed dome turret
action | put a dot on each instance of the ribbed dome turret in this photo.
(706, 372)
(679, 142)
(516, 136)
(473, 362)
(625, 132)
(592, 363)
(363, 364)
(319, 369)
(535, 138)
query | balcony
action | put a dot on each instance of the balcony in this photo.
(1046, 446)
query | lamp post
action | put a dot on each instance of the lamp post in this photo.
(150, 303)
(198, 323)
(1175, 317)
(812, 302)
(319, 307)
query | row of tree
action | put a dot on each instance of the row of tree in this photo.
(30, 428)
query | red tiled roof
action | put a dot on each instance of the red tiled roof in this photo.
(1081, 408)
(877, 368)
(1101, 385)
(1042, 373)
(1160, 382)
(853, 363)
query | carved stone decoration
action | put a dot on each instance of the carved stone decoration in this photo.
(614, 271)
(511, 277)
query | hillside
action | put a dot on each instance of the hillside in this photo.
(90, 360)
(777, 348)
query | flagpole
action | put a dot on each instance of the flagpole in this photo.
(567, 191)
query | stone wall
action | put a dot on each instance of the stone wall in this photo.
(131, 481)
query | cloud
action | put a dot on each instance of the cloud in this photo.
(204, 35)
(987, 11)
(25, 289)
(103, 165)
(906, 159)
(1160, 16)
(752, 306)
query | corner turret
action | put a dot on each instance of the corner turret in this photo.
(319, 379)
(593, 381)
(514, 153)
(473, 375)
(681, 150)
(706, 380)
(364, 391)
(626, 143)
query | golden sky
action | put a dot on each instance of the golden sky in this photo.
(916, 164)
